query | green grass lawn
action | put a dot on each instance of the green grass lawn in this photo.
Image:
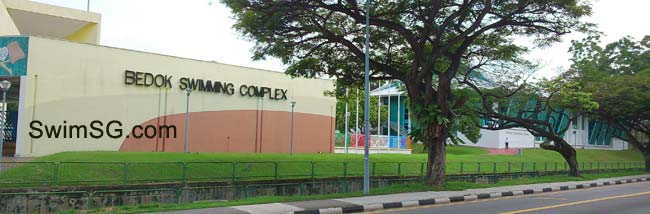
(137, 167)
(454, 154)
(449, 186)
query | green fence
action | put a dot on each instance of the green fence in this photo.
(22, 174)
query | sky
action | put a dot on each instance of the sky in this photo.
(201, 29)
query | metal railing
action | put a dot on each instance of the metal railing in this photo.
(32, 174)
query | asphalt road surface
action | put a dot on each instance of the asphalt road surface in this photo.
(619, 199)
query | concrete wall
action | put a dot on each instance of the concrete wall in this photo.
(51, 200)
(516, 138)
(73, 84)
(38, 19)
(617, 144)
(7, 26)
(520, 138)
(488, 139)
(578, 135)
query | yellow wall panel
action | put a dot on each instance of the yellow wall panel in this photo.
(78, 83)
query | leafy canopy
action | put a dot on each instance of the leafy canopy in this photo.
(618, 77)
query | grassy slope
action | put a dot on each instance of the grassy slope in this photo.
(297, 166)
(454, 154)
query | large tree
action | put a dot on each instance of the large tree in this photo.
(618, 77)
(421, 43)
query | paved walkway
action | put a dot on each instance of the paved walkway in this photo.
(510, 151)
(379, 199)
(10, 162)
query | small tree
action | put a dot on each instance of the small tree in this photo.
(422, 44)
(618, 76)
(540, 108)
(625, 102)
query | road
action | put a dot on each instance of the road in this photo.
(619, 199)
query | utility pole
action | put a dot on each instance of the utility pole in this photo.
(366, 154)
(187, 119)
(293, 105)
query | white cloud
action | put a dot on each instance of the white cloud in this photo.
(616, 18)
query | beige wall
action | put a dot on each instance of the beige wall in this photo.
(79, 83)
(7, 26)
(39, 19)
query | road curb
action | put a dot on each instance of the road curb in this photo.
(461, 198)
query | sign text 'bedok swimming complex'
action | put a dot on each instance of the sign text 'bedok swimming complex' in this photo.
(165, 81)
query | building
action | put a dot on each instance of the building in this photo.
(581, 133)
(69, 93)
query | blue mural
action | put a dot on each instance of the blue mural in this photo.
(13, 55)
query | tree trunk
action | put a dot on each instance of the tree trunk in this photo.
(436, 162)
(573, 165)
(431, 107)
(569, 154)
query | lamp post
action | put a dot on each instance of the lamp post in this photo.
(187, 118)
(366, 158)
(293, 105)
(4, 85)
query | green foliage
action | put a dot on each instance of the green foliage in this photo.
(622, 57)
(624, 97)
(426, 115)
(618, 77)
(565, 94)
